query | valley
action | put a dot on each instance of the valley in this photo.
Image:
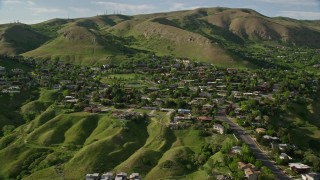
(197, 94)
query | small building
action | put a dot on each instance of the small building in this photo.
(207, 107)
(236, 150)
(94, 176)
(261, 130)
(204, 119)
(242, 165)
(135, 176)
(17, 71)
(311, 176)
(57, 87)
(182, 118)
(249, 170)
(219, 128)
(284, 156)
(91, 109)
(223, 177)
(299, 168)
(283, 147)
(2, 70)
(184, 111)
(251, 174)
(270, 138)
(121, 176)
(107, 176)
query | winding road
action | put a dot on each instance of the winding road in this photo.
(260, 155)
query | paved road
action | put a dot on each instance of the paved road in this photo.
(240, 133)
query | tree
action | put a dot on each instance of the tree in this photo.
(7, 129)
(266, 174)
(226, 145)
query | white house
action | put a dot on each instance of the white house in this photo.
(284, 156)
(236, 150)
(219, 128)
(135, 176)
(311, 176)
(94, 176)
(107, 176)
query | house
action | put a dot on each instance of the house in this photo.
(249, 170)
(166, 110)
(181, 118)
(184, 111)
(17, 71)
(107, 176)
(283, 147)
(207, 107)
(299, 167)
(270, 138)
(2, 70)
(236, 150)
(135, 176)
(251, 174)
(242, 165)
(12, 89)
(91, 109)
(284, 156)
(261, 130)
(222, 177)
(204, 119)
(94, 176)
(121, 176)
(57, 87)
(311, 176)
(219, 128)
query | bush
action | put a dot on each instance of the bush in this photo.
(167, 164)
(7, 129)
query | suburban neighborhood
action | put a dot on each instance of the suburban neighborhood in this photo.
(192, 94)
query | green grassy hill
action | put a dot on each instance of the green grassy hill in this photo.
(57, 144)
(19, 38)
(199, 34)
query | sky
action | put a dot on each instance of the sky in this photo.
(35, 11)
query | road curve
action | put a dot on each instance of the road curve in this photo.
(240, 133)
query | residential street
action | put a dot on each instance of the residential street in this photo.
(240, 133)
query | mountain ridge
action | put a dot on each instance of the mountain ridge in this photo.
(171, 33)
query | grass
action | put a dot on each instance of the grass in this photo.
(46, 174)
(159, 141)
(217, 158)
(19, 38)
(189, 138)
(10, 107)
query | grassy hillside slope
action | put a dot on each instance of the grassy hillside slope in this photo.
(199, 34)
(57, 144)
(19, 38)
